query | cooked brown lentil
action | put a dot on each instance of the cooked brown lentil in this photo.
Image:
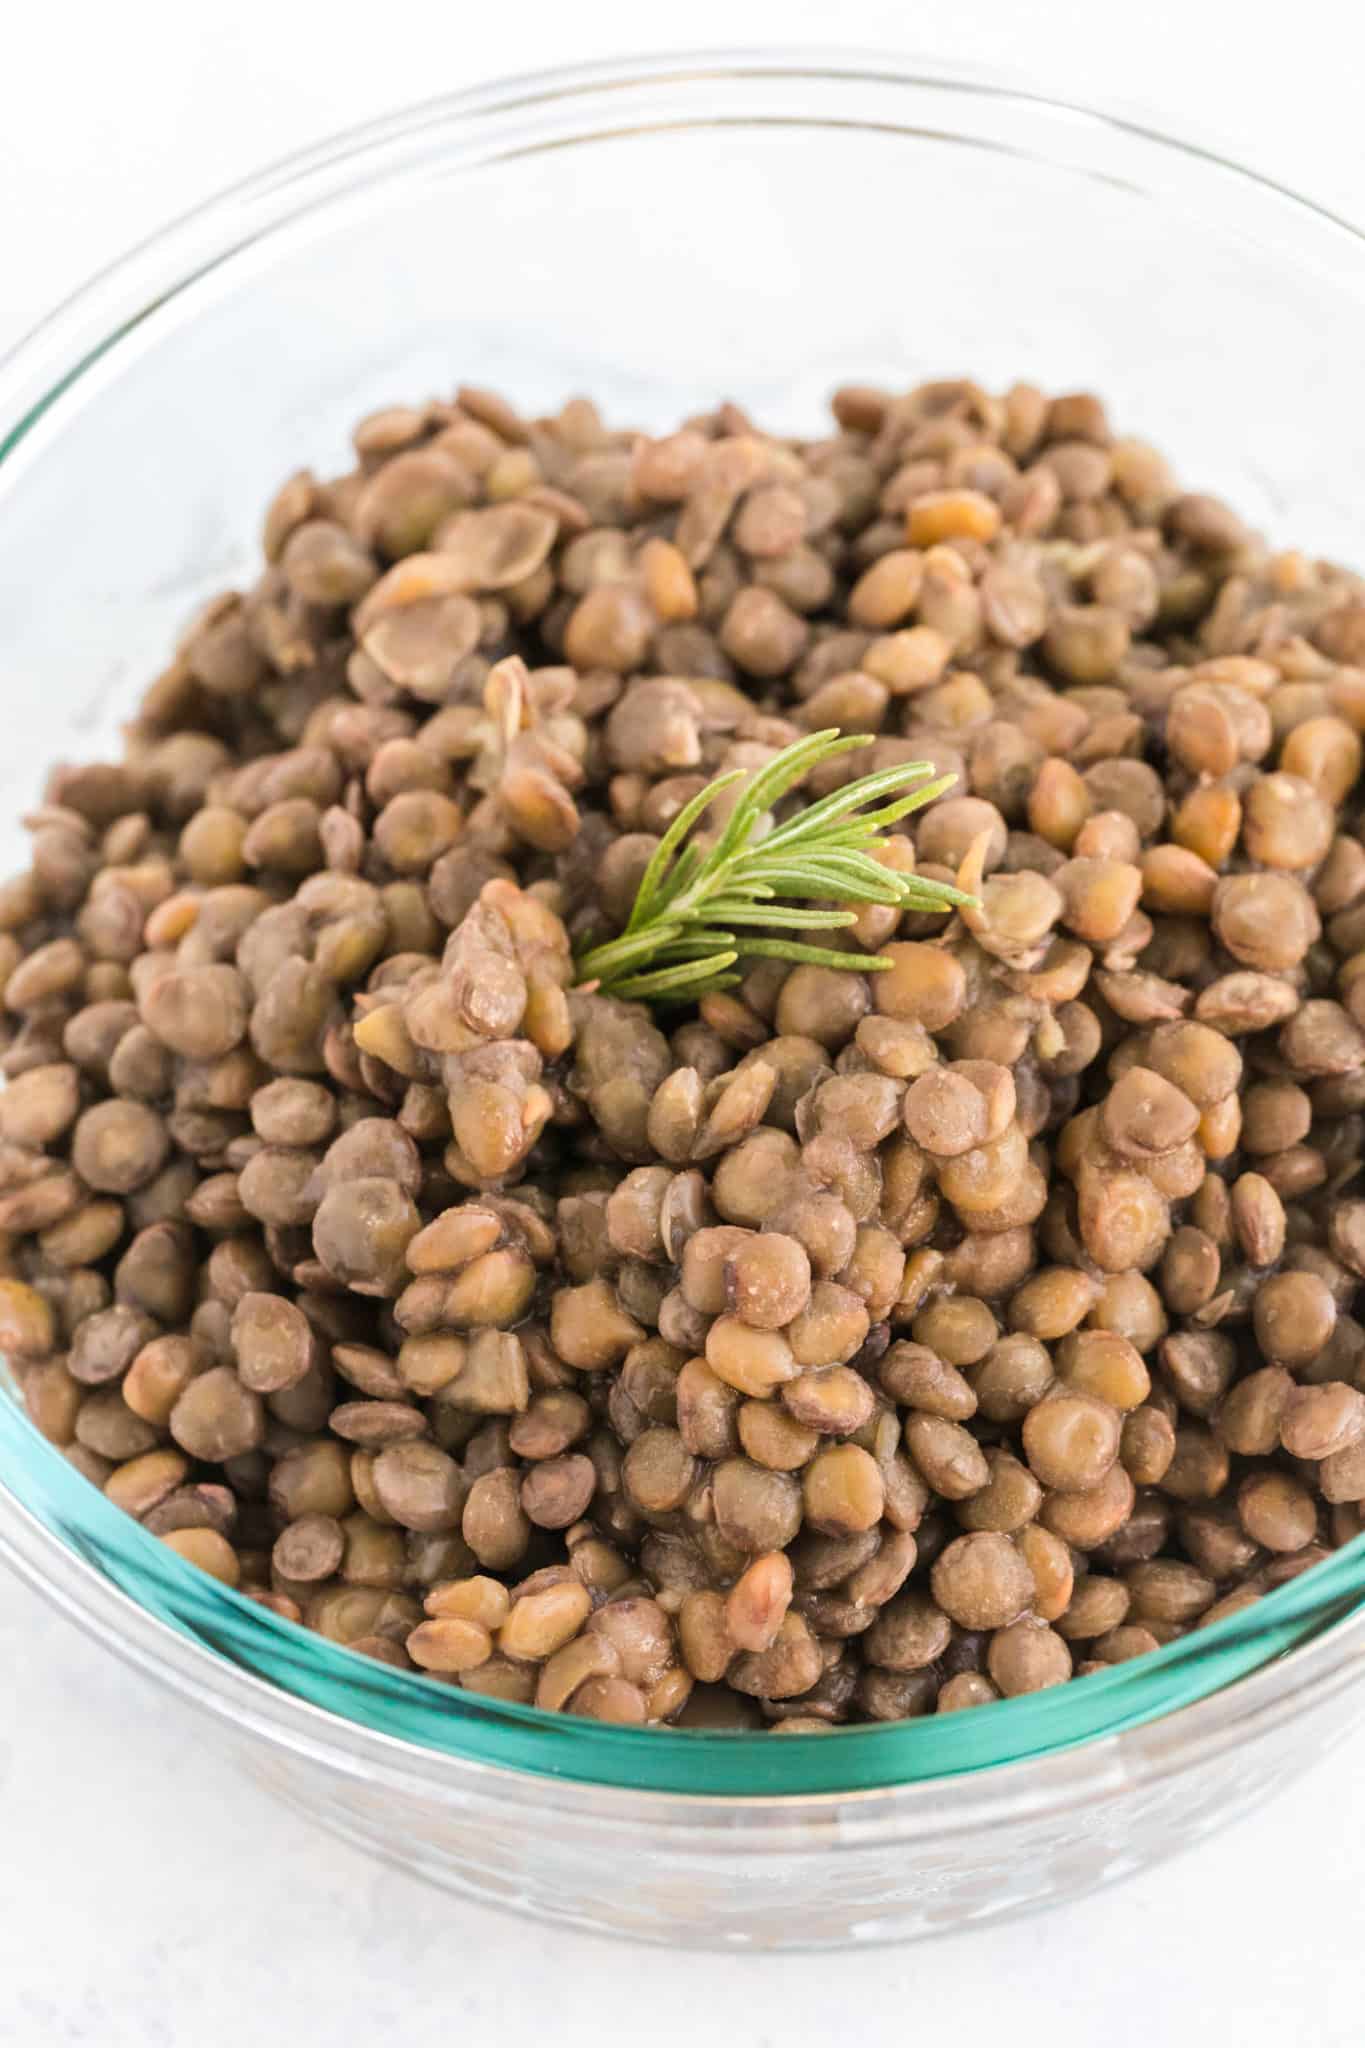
(859, 1345)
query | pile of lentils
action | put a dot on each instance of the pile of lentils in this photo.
(848, 1346)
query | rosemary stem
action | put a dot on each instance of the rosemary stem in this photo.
(677, 944)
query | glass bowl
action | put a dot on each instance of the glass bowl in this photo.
(657, 234)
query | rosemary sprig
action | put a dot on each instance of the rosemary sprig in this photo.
(701, 908)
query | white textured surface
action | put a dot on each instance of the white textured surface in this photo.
(152, 1898)
(148, 1897)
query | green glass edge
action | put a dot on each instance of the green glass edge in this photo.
(439, 1717)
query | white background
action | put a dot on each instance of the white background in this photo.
(148, 1898)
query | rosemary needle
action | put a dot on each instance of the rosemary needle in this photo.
(702, 907)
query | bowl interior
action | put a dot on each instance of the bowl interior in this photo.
(746, 229)
(751, 229)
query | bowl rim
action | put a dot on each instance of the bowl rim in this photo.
(90, 324)
(47, 360)
(1071, 1776)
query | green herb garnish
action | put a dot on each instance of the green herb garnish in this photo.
(698, 903)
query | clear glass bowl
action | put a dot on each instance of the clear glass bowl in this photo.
(656, 235)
